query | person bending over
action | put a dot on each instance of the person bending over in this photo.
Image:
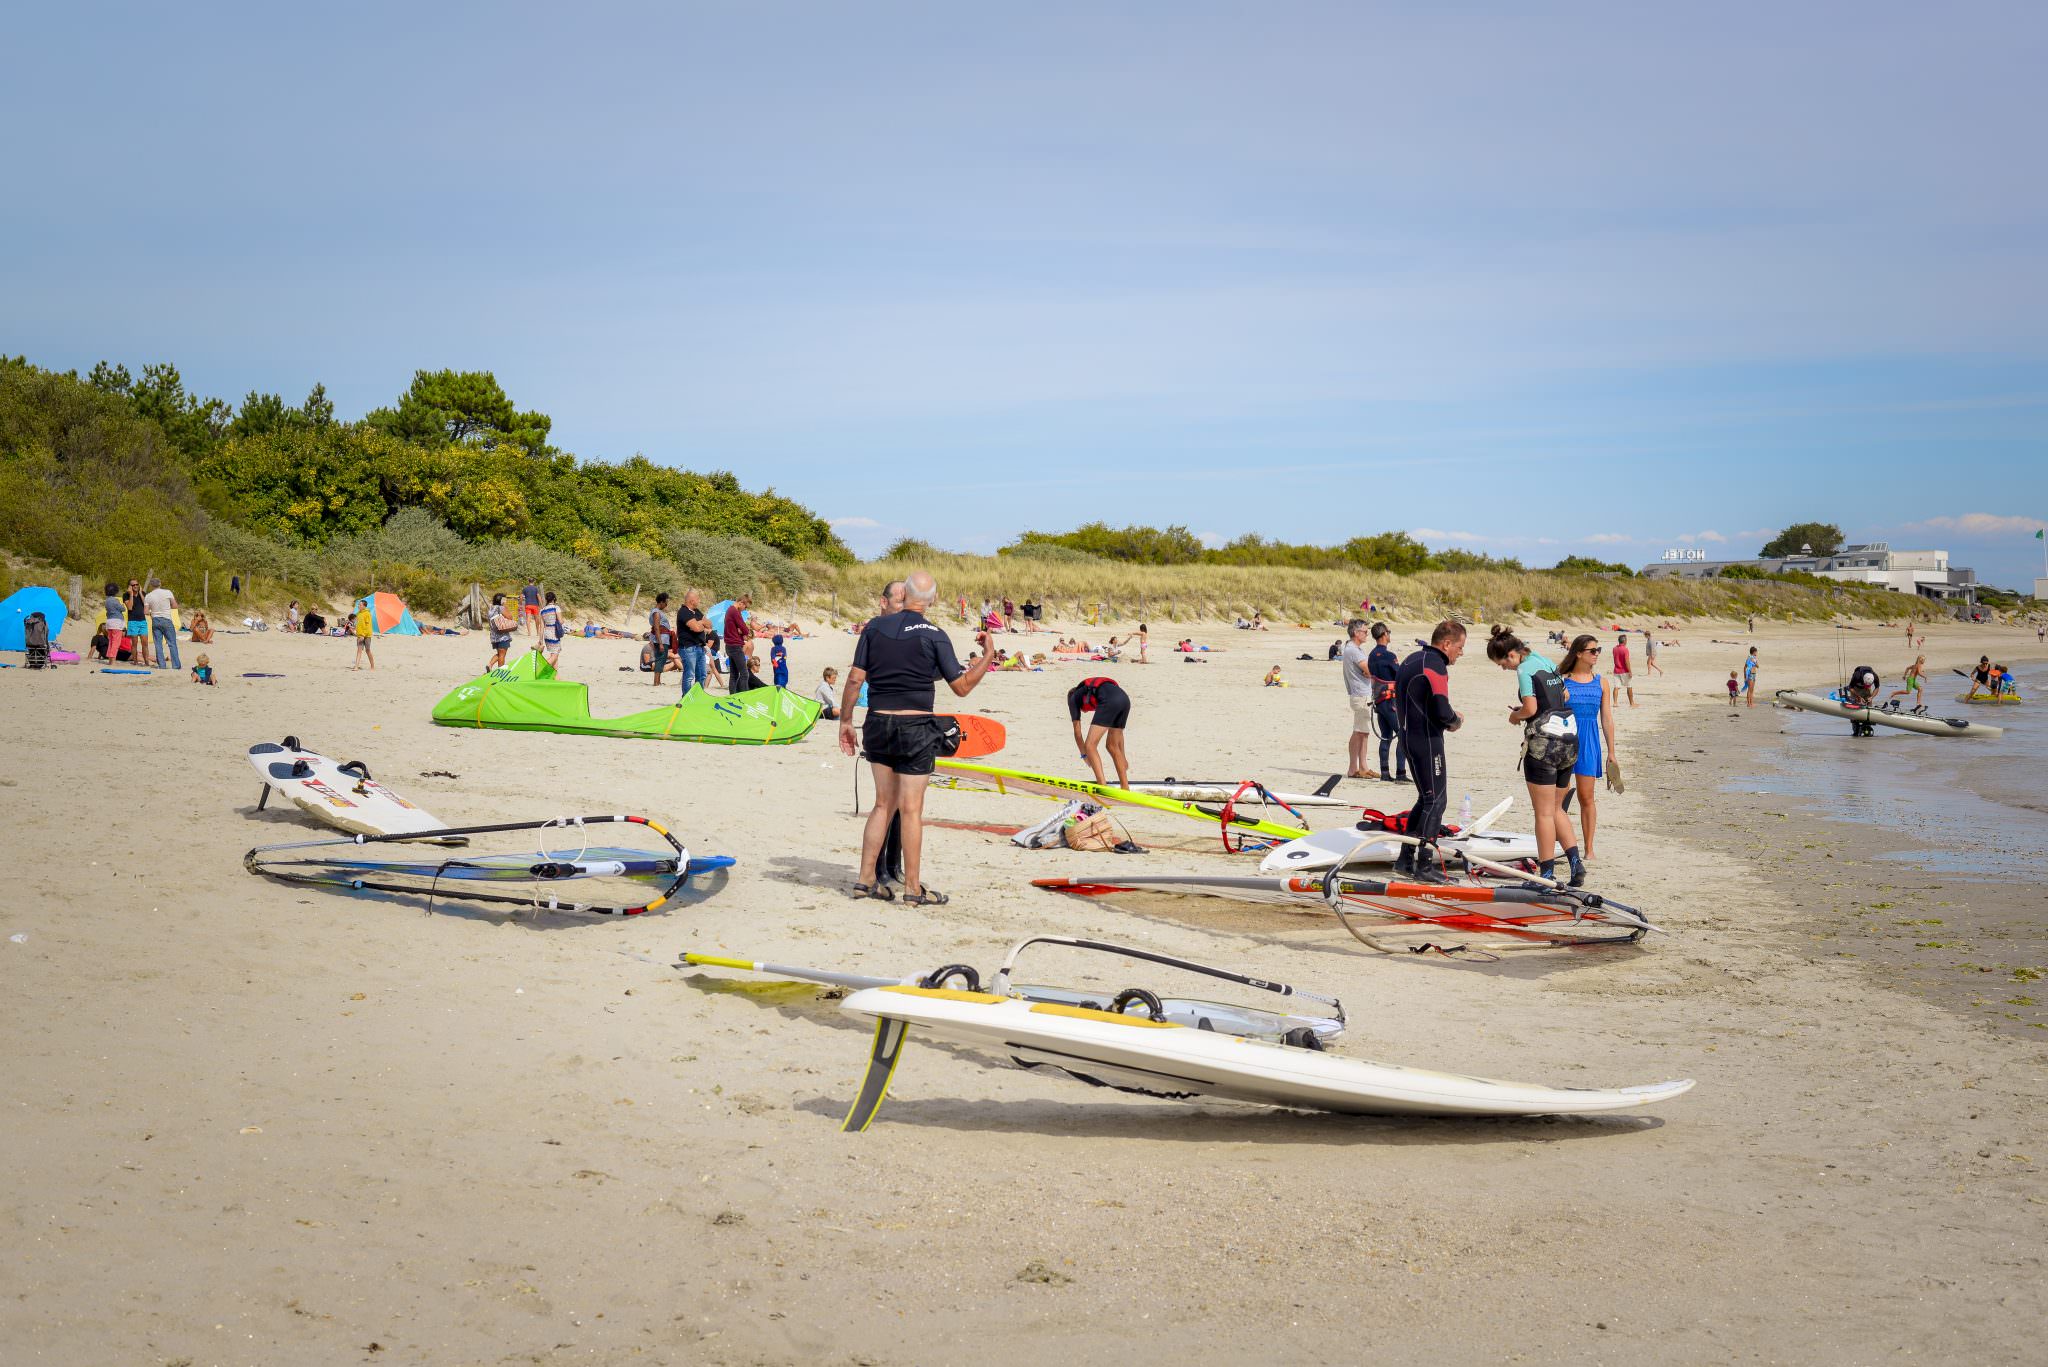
(899, 655)
(1422, 699)
(1111, 707)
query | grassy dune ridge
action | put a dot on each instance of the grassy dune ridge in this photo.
(1110, 591)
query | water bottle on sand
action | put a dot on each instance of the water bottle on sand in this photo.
(1465, 812)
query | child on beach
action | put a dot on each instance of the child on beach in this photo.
(828, 695)
(778, 662)
(1749, 676)
(1734, 691)
(362, 632)
(1273, 679)
(202, 672)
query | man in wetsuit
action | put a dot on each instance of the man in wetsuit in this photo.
(1111, 706)
(1384, 666)
(1422, 701)
(898, 657)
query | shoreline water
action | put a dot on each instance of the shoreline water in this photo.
(1923, 903)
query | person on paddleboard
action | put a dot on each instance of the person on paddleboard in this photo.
(899, 655)
(1422, 699)
(1550, 747)
(1110, 709)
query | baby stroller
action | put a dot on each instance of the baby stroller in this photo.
(35, 639)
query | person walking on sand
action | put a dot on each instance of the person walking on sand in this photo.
(1592, 703)
(1624, 678)
(361, 625)
(529, 606)
(551, 631)
(1110, 709)
(1749, 667)
(901, 654)
(502, 624)
(162, 606)
(1360, 694)
(1422, 697)
(1550, 748)
(1650, 665)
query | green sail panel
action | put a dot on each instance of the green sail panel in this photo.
(529, 696)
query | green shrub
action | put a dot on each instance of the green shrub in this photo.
(720, 566)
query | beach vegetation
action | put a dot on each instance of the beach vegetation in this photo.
(1804, 538)
(453, 484)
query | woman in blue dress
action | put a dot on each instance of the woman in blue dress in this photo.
(1594, 709)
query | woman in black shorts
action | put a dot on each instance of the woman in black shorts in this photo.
(1111, 707)
(1550, 747)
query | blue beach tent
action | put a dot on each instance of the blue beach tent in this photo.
(16, 607)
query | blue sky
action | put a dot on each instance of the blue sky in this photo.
(1533, 279)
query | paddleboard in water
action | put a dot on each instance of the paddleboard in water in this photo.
(984, 735)
(1166, 1059)
(340, 795)
(2002, 699)
(1903, 721)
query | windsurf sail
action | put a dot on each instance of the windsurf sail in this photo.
(1231, 1019)
(1525, 911)
(561, 854)
(953, 773)
(1220, 790)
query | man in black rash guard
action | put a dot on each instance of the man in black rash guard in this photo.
(1422, 699)
(898, 657)
(1112, 708)
(1385, 666)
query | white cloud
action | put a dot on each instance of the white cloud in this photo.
(1432, 535)
(1981, 524)
(1608, 539)
(1693, 538)
(853, 522)
(1211, 538)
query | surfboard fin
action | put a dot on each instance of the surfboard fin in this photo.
(882, 1061)
(1329, 786)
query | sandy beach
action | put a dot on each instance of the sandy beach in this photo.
(250, 1123)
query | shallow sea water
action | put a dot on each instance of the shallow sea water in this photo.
(1960, 805)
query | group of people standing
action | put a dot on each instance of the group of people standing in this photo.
(143, 621)
(1566, 713)
(692, 638)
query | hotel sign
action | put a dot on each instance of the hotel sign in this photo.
(1685, 556)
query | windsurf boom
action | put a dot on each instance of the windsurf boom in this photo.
(381, 863)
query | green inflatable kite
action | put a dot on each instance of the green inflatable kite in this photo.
(526, 696)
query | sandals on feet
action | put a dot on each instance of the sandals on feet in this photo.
(926, 897)
(879, 891)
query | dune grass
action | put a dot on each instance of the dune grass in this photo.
(1111, 592)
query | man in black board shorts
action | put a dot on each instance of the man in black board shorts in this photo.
(1112, 708)
(898, 657)
(1422, 697)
